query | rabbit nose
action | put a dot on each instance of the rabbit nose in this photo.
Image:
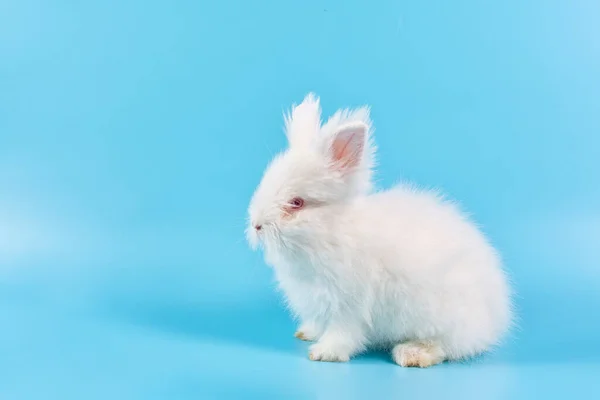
(258, 227)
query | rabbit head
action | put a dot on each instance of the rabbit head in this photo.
(324, 165)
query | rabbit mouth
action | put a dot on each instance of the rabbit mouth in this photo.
(253, 238)
(258, 234)
(268, 236)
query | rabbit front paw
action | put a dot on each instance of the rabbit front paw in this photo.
(306, 336)
(308, 332)
(327, 352)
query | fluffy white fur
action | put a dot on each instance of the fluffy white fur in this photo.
(401, 268)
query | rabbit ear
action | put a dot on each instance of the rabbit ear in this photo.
(347, 139)
(347, 145)
(303, 123)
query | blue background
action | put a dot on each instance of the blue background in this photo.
(132, 135)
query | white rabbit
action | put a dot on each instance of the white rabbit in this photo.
(400, 268)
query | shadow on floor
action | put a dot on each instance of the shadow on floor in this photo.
(552, 330)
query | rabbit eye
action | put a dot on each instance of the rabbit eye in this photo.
(297, 203)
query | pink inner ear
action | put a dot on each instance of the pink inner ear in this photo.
(347, 147)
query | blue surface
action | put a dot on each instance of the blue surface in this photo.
(132, 135)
